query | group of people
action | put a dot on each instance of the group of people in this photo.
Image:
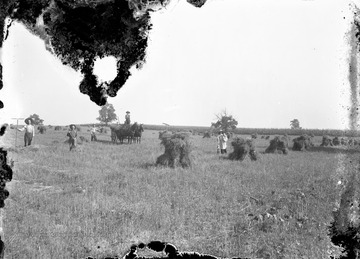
(30, 133)
(72, 133)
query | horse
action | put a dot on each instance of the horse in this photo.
(122, 132)
(138, 132)
(113, 134)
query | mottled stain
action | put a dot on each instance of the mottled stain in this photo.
(345, 228)
(353, 76)
(80, 31)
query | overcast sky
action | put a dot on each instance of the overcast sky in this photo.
(265, 62)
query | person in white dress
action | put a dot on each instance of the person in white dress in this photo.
(221, 140)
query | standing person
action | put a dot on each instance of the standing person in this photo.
(29, 131)
(72, 134)
(127, 118)
(222, 139)
(93, 133)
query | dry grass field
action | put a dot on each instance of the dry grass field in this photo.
(103, 197)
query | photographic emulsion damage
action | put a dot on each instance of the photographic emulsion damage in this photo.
(200, 129)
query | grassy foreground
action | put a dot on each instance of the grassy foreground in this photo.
(100, 199)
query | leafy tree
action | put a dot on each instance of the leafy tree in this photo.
(295, 124)
(224, 122)
(36, 119)
(107, 114)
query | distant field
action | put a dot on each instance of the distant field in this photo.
(102, 198)
(263, 131)
(248, 131)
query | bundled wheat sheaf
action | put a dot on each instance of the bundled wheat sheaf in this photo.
(177, 150)
(41, 129)
(336, 141)
(302, 143)
(326, 141)
(165, 134)
(242, 148)
(278, 145)
(207, 134)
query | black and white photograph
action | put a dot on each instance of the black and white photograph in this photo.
(142, 129)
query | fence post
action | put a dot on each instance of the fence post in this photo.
(17, 125)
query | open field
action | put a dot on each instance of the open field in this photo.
(103, 197)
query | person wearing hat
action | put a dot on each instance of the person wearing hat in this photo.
(29, 131)
(221, 142)
(127, 118)
(72, 134)
(94, 129)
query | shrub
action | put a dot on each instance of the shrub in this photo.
(242, 148)
(177, 150)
